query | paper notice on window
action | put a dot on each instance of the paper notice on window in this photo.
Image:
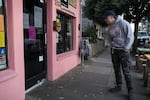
(0, 2)
(2, 39)
(1, 23)
(25, 21)
(2, 58)
(38, 17)
(42, 1)
(32, 33)
(41, 58)
(2, 51)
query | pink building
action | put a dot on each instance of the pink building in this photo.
(38, 40)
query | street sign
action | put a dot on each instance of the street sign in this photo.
(64, 3)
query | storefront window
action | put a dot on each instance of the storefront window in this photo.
(64, 37)
(3, 49)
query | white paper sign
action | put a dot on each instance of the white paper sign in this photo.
(40, 58)
(0, 2)
(38, 17)
(42, 1)
(25, 21)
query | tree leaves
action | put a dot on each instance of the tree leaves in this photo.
(134, 10)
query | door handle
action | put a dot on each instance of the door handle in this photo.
(45, 38)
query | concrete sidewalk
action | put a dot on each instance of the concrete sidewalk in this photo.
(90, 82)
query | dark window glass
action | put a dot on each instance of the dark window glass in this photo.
(3, 44)
(64, 38)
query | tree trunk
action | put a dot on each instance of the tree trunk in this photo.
(135, 36)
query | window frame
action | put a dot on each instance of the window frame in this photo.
(72, 30)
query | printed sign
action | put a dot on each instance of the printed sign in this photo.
(2, 51)
(42, 1)
(64, 3)
(1, 23)
(2, 39)
(0, 2)
(25, 21)
(2, 58)
(73, 3)
(2, 63)
(38, 17)
(32, 33)
(40, 58)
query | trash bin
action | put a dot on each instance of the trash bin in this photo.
(86, 48)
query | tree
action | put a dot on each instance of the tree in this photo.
(91, 32)
(94, 9)
(134, 10)
(88, 9)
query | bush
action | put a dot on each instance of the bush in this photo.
(90, 32)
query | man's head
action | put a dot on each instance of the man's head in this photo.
(109, 17)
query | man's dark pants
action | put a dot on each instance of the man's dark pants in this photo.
(121, 60)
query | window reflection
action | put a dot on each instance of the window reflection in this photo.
(64, 38)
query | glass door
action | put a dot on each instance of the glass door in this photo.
(34, 41)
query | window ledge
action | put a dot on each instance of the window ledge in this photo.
(6, 75)
(64, 55)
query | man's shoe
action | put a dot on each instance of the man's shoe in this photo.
(115, 89)
(130, 95)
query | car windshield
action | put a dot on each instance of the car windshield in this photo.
(142, 34)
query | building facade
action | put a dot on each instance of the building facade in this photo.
(38, 40)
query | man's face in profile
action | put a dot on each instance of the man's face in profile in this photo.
(109, 20)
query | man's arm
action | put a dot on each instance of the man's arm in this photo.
(129, 36)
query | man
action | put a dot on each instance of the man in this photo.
(121, 40)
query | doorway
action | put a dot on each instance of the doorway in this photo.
(34, 18)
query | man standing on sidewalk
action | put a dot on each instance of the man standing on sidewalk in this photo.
(121, 40)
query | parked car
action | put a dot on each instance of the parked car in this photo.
(143, 37)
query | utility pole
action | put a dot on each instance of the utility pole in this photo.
(81, 44)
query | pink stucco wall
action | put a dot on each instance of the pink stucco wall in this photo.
(58, 65)
(12, 82)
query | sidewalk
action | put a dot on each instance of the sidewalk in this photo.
(90, 82)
